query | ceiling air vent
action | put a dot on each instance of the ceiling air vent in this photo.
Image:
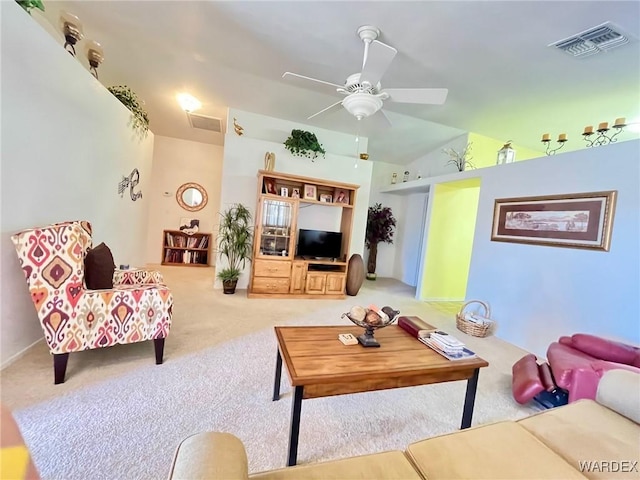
(595, 40)
(205, 123)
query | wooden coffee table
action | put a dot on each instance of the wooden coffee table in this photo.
(319, 365)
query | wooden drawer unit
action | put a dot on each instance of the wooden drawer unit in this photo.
(270, 285)
(335, 283)
(272, 268)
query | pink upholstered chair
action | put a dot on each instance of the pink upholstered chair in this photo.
(575, 365)
(73, 318)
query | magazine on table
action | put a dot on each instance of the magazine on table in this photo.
(460, 354)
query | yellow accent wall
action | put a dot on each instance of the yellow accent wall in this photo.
(484, 150)
(454, 207)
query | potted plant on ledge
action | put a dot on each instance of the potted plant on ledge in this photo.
(305, 144)
(380, 225)
(234, 241)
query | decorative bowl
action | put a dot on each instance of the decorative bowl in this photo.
(367, 339)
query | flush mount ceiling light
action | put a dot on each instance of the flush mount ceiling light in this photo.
(188, 103)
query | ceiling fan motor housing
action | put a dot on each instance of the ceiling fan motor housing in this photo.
(353, 85)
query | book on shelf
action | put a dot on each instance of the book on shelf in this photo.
(459, 354)
(415, 326)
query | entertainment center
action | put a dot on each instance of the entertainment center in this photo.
(291, 261)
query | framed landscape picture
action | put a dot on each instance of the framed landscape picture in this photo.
(578, 220)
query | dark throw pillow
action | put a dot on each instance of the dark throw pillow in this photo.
(98, 268)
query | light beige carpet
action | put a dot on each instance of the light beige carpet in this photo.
(120, 416)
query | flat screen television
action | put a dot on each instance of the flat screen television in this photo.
(319, 244)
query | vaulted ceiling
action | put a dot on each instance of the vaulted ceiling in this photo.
(493, 56)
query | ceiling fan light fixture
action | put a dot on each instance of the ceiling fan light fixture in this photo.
(362, 105)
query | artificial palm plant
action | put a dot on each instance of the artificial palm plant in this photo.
(235, 240)
(380, 225)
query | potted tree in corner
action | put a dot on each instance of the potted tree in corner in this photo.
(380, 225)
(235, 240)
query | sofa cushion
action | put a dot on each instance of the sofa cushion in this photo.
(98, 268)
(387, 465)
(619, 390)
(210, 455)
(501, 450)
(605, 349)
(584, 431)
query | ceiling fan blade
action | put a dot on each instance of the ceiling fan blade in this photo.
(325, 109)
(430, 96)
(378, 121)
(296, 78)
(379, 57)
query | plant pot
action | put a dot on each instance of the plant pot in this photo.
(371, 276)
(229, 286)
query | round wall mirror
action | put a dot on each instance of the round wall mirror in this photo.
(192, 197)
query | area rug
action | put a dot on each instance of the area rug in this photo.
(129, 427)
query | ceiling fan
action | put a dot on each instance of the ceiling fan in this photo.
(364, 95)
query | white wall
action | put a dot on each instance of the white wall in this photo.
(244, 156)
(538, 293)
(176, 162)
(386, 265)
(66, 144)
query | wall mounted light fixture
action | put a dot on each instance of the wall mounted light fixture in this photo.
(602, 137)
(72, 29)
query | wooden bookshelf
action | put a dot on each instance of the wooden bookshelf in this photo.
(178, 248)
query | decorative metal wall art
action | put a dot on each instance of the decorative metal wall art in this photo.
(130, 182)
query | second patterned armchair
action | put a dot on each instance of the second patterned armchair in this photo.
(74, 318)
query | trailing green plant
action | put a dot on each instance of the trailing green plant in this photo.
(380, 225)
(235, 240)
(29, 5)
(304, 144)
(139, 118)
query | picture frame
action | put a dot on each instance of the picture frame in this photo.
(270, 186)
(310, 192)
(326, 198)
(284, 192)
(341, 196)
(576, 220)
(295, 193)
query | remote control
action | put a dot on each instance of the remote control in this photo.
(348, 339)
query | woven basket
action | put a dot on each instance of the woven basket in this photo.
(471, 328)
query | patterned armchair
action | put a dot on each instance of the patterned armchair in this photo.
(73, 318)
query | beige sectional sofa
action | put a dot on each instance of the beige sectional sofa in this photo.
(585, 439)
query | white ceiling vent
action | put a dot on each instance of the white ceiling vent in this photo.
(595, 40)
(205, 123)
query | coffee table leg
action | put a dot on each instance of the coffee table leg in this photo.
(294, 430)
(276, 384)
(469, 399)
